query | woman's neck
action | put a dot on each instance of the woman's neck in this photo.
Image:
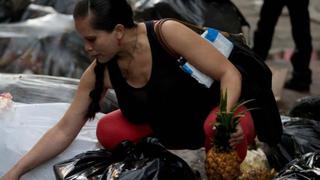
(129, 43)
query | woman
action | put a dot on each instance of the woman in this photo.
(155, 96)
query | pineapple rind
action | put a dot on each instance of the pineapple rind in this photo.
(224, 165)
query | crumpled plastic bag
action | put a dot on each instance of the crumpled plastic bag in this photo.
(255, 166)
(305, 168)
(255, 159)
(300, 136)
(147, 159)
(90, 164)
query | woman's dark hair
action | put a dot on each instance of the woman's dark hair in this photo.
(105, 15)
(96, 93)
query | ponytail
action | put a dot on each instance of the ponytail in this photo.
(96, 93)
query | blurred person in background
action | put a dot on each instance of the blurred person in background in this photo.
(300, 27)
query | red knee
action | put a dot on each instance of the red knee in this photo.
(114, 128)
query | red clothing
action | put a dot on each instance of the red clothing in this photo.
(114, 128)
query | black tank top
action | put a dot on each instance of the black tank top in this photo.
(172, 102)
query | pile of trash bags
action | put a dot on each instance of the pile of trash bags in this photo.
(43, 41)
(297, 155)
(147, 159)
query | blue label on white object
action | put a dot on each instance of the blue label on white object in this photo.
(186, 69)
(196, 74)
(211, 34)
(220, 42)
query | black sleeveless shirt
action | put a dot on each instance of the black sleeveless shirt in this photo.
(172, 102)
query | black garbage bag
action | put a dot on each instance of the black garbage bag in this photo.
(88, 165)
(12, 10)
(220, 14)
(190, 11)
(307, 107)
(225, 16)
(305, 168)
(300, 136)
(147, 159)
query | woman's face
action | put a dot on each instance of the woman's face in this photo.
(97, 43)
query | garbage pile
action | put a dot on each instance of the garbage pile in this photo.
(147, 159)
(42, 42)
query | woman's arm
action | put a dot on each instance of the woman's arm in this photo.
(206, 58)
(60, 136)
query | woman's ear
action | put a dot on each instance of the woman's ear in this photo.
(119, 29)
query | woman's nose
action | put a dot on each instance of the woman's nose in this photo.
(88, 47)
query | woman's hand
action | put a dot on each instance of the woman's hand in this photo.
(10, 175)
(236, 137)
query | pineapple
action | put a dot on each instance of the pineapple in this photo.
(223, 162)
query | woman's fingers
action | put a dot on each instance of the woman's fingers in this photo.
(236, 137)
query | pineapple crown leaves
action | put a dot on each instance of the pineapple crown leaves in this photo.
(226, 122)
(229, 120)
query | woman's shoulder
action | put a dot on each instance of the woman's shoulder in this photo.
(88, 74)
(88, 78)
(173, 30)
(172, 25)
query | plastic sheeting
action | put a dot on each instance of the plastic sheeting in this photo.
(46, 43)
(38, 88)
(38, 27)
(32, 89)
(23, 125)
(62, 6)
